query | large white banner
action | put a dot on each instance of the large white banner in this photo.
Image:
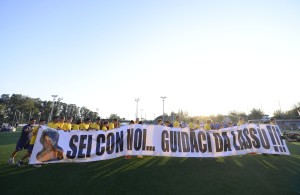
(54, 146)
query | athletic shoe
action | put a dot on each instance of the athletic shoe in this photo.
(20, 163)
(139, 156)
(36, 165)
(11, 161)
(127, 157)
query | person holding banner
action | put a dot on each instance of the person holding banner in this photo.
(241, 121)
(67, 125)
(105, 126)
(176, 123)
(85, 125)
(137, 120)
(192, 125)
(229, 124)
(54, 124)
(140, 123)
(128, 156)
(75, 126)
(23, 141)
(159, 122)
(273, 121)
(61, 122)
(207, 126)
(31, 144)
(167, 124)
(51, 151)
(221, 126)
(96, 124)
(113, 124)
(197, 125)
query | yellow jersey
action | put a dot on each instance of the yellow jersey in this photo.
(191, 125)
(50, 124)
(207, 127)
(197, 126)
(176, 124)
(53, 125)
(84, 126)
(95, 126)
(240, 123)
(104, 128)
(60, 125)
(34, 134)
(66, 127)
(75, 127)
(111, 126)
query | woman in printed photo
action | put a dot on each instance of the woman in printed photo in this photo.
(51, 151)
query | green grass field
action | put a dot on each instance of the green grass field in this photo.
(153, 175)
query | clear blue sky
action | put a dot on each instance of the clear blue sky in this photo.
(206, 57)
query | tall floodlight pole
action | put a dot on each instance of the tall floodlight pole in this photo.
(279, 105)
(58, 105)
(141, 114)
(137, 107)
(163, 99)
(50, 115)
(39, 117)
(97, 110)
(72, 111)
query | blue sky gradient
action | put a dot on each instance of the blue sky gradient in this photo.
(207, 57)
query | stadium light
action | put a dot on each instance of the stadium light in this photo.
(58, 105)
(142, 114)
(137, 106)
(163, 99)
(50, 115)
(279, 105)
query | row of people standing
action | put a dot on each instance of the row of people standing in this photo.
(208, 125)
(27, 142)
(61, 124)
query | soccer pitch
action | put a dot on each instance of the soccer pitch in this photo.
(249, 174)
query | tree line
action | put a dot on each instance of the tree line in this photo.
(18, 108)
(234, 115)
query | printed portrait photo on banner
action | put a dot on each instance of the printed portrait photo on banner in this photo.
(51, 151)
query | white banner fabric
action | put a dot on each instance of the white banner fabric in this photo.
(57, 146)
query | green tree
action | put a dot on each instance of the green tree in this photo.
(293, 113)
(45, 109)
(219, 118)
(20, 108)
(256, 114)
(278, 114)
(184, 116)
(4, 99)
(2, 112)
(74, 111)
(235, 115)
(112, 116)
(85, 112)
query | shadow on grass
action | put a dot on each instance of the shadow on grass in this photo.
(9, 138)
(161, 175)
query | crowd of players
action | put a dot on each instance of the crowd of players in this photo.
(29, 131)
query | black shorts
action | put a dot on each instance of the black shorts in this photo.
(22, 144)
(30, 148)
